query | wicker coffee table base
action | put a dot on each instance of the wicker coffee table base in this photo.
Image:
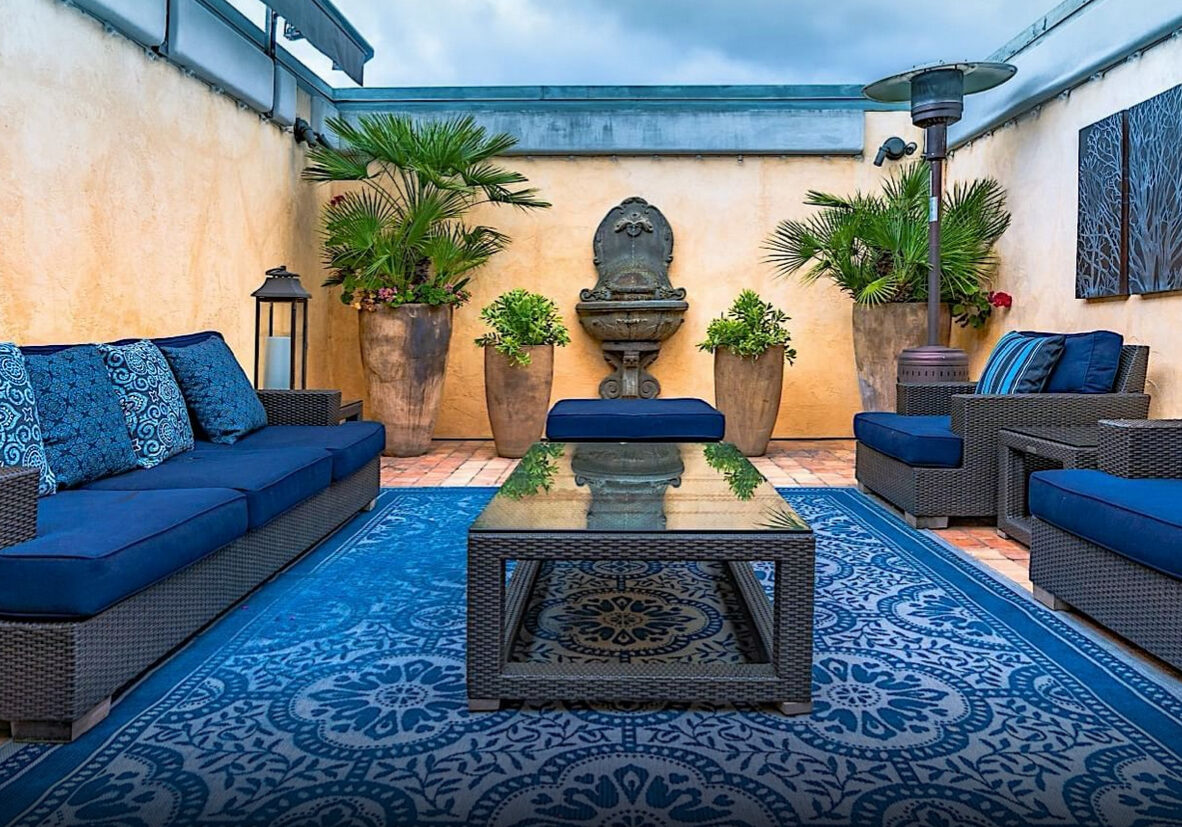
(784, 626)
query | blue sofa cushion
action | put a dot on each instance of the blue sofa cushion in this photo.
(1140, 519)
(1020, 363)
(918, 441)
(634, 420)
(153, 407)
(1089, 362)
(223, 404)
(351, 444)
(95, 548)
(20, 426)
(81, 421)
(272, 481)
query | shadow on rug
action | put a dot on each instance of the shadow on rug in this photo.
(335, 696)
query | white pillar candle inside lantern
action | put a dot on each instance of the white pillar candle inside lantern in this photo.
(277, 364)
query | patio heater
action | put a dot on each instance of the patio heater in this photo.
(937, 100)
(277, 349)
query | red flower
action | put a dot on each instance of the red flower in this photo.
(1001, 299)
(335, 200)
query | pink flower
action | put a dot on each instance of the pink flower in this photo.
(1001, 299)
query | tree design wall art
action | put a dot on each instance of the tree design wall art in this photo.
(1155, 194)
(1101, 263)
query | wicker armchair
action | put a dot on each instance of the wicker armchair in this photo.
(930, 496)
(1134, 600)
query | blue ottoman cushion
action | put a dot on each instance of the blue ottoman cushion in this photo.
(1140, 519)
(351, 444)
(95, 548)
(918, 441)
(634, 420)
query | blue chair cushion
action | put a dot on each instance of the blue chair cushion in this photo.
(1089, 362)
(634, 420)
(20, 426)
(81, 422)
(223, 404)
(351, 444)
(918, 441)
(1020, 363)
(157, 419)
(95, 548)
(1140, 519)
(272, 481)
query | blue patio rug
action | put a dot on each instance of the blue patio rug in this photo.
(335, 696)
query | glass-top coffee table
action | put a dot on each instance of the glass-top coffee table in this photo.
(621, 505)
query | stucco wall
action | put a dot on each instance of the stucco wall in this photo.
(1036, 159)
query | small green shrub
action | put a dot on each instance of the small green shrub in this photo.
(750, 329)
(520, 319)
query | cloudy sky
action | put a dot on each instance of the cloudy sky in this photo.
(492, 42)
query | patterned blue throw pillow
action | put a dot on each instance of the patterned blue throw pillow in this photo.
(1020, 363)
(224, 405)
(157, 419)
(81, 421)
(20, 426)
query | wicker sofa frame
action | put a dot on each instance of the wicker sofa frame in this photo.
(1133, 600)
(928, 497)
(57, 679)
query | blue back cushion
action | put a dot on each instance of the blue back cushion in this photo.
(1089, 362)
(222, 402)
(81, 422)
(20, 426)
(153, 406)
(1020, 363)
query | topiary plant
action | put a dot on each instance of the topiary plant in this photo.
(750, 328)
(520, 319)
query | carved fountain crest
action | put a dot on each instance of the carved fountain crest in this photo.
(633, 307)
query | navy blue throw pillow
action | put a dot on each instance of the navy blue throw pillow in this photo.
(223, 405)
(1020, 363)
(81, 422)
(153, 406)
(1089, 363)
(20, 426)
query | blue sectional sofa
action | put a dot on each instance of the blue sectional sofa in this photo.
(1108, 542)
(124, 568)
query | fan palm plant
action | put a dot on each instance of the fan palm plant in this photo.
(401, 237)
(874, 247)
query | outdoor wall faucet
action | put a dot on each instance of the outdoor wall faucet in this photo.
(894, 148)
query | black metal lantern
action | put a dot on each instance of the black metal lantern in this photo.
(937, 100)
(276, 348)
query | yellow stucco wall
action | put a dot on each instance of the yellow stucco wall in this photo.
(1036, 159)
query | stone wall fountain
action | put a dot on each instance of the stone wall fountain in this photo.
(633, 308)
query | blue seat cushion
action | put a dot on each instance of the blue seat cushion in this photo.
(351, 444)
(1089, 362)
(634, 420)
(272, 481)
(918, 441)
(1139, 519)
(95, 548)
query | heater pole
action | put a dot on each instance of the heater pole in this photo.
(935, 151)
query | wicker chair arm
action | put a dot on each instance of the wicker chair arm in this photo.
(1141, 448)
(990, 412)
(18, 504)
(929, 400)
(301, 407)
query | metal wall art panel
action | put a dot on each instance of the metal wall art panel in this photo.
(1101, 264)
(1155, 194)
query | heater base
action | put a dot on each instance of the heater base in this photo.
(933, 364)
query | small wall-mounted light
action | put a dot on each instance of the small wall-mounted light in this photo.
(304, 133)
(894, 148)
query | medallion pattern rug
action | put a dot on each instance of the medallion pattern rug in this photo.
(335, 696)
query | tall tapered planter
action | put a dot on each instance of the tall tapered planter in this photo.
(747, 391)
(881, 333)
(518, 397)
(404, 351)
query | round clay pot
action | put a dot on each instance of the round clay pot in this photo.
(518, 397)
(404, 351)
(881, 333)
(747, 391)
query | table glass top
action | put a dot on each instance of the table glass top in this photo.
(637, 487)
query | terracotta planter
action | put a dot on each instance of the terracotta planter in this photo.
(881, 333)
(747, 391)
(404, 351)
(518, 397)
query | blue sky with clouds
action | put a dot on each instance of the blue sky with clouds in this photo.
(493, 42)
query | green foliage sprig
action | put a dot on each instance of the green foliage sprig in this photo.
(535, 472)
(741, 476)
(520, 319)
(750, 328)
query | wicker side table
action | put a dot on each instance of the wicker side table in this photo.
(1026, 450)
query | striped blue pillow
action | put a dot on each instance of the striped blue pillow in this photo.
(1021, 363)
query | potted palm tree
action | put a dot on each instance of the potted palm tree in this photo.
(519, 366)
(750, 343)
(399, 247)
(874, 247)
